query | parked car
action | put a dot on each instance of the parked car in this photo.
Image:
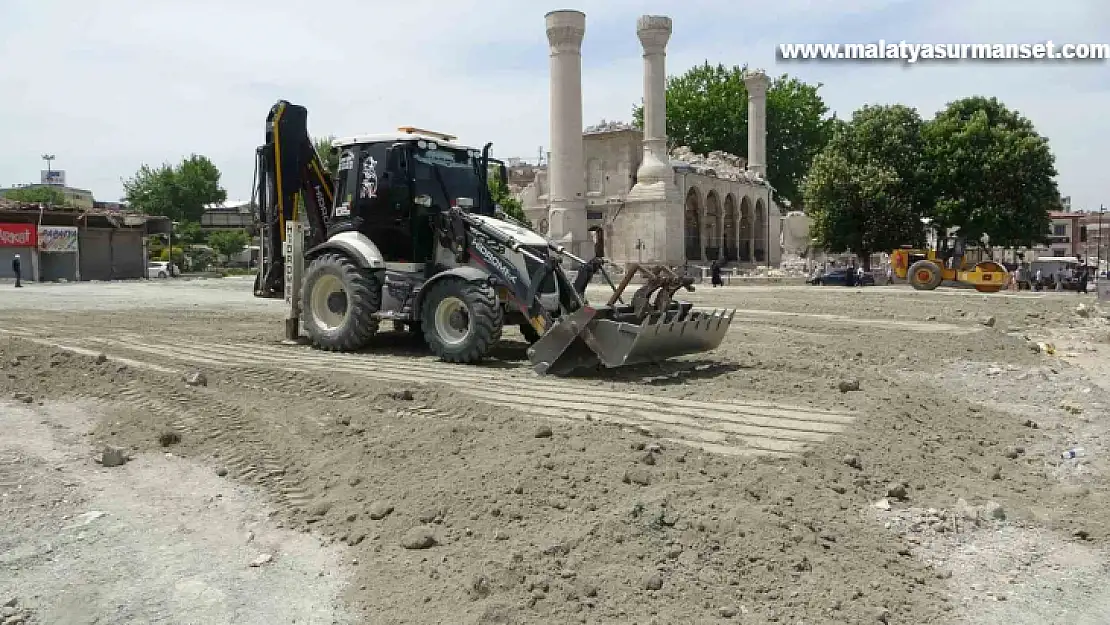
(161, 269)
(839, 277)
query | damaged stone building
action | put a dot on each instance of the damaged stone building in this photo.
(638, 201)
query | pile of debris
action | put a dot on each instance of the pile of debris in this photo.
(608, 126)
(717, 163)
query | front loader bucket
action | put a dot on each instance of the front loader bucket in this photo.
(591, 337)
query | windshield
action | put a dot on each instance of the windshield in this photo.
(447, 175)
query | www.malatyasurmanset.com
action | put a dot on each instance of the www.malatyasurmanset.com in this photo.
(908, 52)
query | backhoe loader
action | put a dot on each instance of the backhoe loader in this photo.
(408, 232)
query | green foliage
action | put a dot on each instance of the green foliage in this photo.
(189, 233)
(179, 192)
(330, 159)
(36, 195)
(178, 255)
(707, 109)
(228, 243)
(991, 173)
(503, 196)
(866, 190)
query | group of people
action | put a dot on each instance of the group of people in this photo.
(1080, 275)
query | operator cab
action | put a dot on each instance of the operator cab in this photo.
(390, 187)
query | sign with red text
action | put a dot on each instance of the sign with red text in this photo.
(17, 235)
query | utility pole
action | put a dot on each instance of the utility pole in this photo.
(49, 158)
(1098, 244)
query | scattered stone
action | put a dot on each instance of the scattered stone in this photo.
(26, 398)
(101, 358)
(992, 510)
(221, 472)
(405, 395)
(897, 491)
(262, 559)
(654, 448)
(727, 611)
(853, 461)
(652, 581)
(988, 321)
(1081, 534)
(418, 538)
(1083, 311)
(637, 475)
(379, 510)
(1014, 452)
(543, 432)
(113, 456)
(196, 378)
(169, 437)
(996, 473)
(648, 459)
(931, 318)
(501, 535)
(1029, 423)
(882, 504)
(848, 386)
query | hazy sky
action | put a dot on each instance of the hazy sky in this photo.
(107, 85)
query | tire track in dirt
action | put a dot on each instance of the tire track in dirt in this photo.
(721, 427)
(236, 437)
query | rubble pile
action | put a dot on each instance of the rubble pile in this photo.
(716, 163)
(608, 126)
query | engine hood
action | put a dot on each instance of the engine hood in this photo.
(521, 235)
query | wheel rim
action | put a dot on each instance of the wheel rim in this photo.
(452, 320)
(923, 275)
(329, 302)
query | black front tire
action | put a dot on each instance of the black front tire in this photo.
(363, 298)
(485, 321)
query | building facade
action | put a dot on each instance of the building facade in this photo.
(617, 191)
(74, 245)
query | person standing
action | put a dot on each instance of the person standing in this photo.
(715, 272)
(17, 269)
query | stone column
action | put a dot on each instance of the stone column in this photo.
(654, 32)
(567, 181)
(757, 83)
(654, 208)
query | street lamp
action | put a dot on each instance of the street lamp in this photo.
(49, 158)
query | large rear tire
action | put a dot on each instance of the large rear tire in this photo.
(924, 275)
(338, 301)
(461, 320)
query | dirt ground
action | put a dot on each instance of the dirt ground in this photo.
(750, 485)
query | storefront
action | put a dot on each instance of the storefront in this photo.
(16, 238)
(58, 253)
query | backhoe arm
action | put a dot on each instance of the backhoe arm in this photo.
(290, 177)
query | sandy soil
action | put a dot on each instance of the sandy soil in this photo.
(738, 486)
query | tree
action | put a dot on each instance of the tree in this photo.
(503, 196)
(867, 189)
(707, 109)
(228, 243)
(188, 233)
(36, 195)
(330, 158)
(180, 193)
(991, 173)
